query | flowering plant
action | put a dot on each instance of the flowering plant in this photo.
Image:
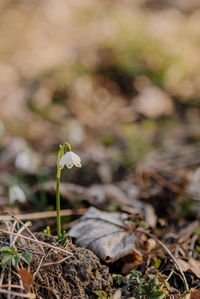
(64, 157)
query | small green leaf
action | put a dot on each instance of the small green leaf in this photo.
(8, 251)
(152, 283)
(185, 293)
(26, 257)
(5, 248)
(157, 262)
(15, 260)
(63, 238)
(197, 247)
(47, 231)
(100, 294)
(197, 231)
(119, 277)
(5, 261)
(136, 275)
(157, 295)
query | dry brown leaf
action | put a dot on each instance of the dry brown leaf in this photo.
(117, 294)
(27, 279)
(106, 234)
(194, 294)
(150, 215)
(191, 265)
(130, 261)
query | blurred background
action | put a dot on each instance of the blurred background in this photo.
(118, 80)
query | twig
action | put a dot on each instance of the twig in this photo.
(192, 244)
(38, 269)
(42, 215)
(38, 242)
(22, 223)
(56, 263)
(19, 232)
(2, 277)
(30, 296)
(171, 273)
(13, 286)
(171, 255)
(9, 281)
(163, 182)
(18, 247)
(8, 225)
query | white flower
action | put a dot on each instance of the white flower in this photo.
(16, 194)
(23, 161)
(70, 159)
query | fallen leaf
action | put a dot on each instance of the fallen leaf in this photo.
(191, 265)
(150, 216)
(106, 234)
(27, 279)
(117, 294)
(130, 261)
(194, 294)
(115, 195)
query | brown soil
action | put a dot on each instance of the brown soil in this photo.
(77, 277)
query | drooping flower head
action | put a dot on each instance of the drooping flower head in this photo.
(69, 158)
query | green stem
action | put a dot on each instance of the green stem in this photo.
(58, 207)
(59, 156)
(68, 146)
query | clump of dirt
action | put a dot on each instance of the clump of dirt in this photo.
(76, 277)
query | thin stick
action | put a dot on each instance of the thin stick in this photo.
(163, 182)
(2, 277)
(38, 269)
(13, 286)
(171, 255)
(170, 274)
(38, 242)
(30, 232)
(19, 232)
(9, 281)
(56, 263)
(42, 215)
(30, 296)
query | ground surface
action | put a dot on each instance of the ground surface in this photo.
(119, 81)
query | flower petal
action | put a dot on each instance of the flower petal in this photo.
(66, 160)
(69, 165)
(76, 159)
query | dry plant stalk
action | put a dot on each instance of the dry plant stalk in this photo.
(43, 215)
(37, 241)
(172, 257)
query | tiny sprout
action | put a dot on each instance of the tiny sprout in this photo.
(102, 295)
(47, 231)
(69, 159)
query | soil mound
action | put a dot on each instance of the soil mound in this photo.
(76, 277)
